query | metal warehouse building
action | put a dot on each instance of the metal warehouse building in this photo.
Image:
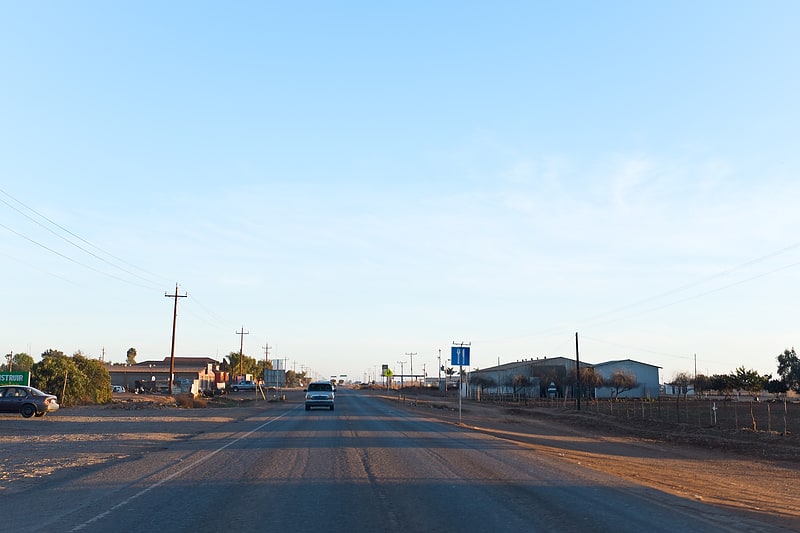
(556, 377)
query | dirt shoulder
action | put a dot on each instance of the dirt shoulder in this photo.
(739, 470)
(745, 471)
(87, 436)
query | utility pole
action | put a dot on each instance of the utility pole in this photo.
(10, 358)
(241, 348)
(266, 361)
(402, 373)
(174, 323)
(578, 371)
(266, 354)
(439, 383)
(411, 355)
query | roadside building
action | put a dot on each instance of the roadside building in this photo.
(555, 377)
(528, 378)
(153, 375)
(627, 379)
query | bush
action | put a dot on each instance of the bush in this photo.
(189, 401)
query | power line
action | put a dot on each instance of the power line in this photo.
(704, 280)
(700, 295)
(70, 259)
(597, 320)
(81, 239)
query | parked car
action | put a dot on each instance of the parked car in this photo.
(117, 388)
(243, 385)
(26, 401)
(320, 394)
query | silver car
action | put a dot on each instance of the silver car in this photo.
(26, 401)
(319, 394)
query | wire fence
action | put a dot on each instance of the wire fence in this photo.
(771, 416)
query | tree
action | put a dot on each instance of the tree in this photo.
(518, 382)
(21, 362)
(98, 380)
(722, 383)
(789, 369)
(295, 379)
(681, 383)
(482, 381)
(777, 387)
(58, 374)
(590, 380)
(261, 366)
(621, 381)
(75, 380)
(702, 383)
(131, 356)
(248, 364)
(750, 381)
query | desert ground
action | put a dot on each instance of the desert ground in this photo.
(741, 469)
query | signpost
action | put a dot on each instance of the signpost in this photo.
(459, 355)
(387, 373)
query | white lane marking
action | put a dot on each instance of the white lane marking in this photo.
(176, 474)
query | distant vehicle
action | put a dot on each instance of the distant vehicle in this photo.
(117, 388)
(320, 394)
(26, 401)
(243, 385)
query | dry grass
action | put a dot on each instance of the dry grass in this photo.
(189, 401)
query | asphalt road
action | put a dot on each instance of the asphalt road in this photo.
(367, 466)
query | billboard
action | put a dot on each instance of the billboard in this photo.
(275, 378)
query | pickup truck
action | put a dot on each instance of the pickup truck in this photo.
(243, 385)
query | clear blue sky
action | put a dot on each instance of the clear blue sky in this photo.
(354, 181)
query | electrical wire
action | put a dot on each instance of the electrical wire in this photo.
(81, 239)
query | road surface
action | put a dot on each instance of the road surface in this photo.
(367, 466)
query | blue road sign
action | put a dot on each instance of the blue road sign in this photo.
(459, 355)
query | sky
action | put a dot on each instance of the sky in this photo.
(360, 183)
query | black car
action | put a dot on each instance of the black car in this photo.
(26, 401)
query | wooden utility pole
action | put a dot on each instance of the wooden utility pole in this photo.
(174, 323)
(266, 349)
(578, 371)
(241, 348)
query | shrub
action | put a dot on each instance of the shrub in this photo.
(189, 401)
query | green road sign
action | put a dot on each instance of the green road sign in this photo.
(15, 378)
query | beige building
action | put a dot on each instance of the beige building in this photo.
(153, 376)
